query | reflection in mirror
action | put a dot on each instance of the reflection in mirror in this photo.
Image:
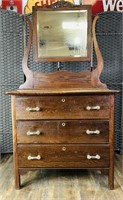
(62, 33)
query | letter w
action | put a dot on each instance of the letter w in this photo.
(109, 4)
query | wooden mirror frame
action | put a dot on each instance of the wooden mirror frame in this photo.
(61, 6)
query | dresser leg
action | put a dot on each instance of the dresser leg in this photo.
(111, 179)
(17, 180)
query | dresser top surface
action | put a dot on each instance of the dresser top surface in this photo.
(62, 91)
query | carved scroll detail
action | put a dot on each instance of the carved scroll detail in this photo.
(95, 77)
(61, 4)
(27, 72)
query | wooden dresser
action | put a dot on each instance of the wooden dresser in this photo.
(63, 119)
(63, 129)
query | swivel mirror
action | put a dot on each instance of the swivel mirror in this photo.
(62, 34)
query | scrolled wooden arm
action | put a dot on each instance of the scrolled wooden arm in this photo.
(27, 72)
(95, 78)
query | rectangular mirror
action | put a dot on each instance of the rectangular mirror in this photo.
(62, 34)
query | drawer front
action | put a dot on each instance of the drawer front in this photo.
(63, 107)
(75, 131)
(63, 156)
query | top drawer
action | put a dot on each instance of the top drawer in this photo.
(63, 107)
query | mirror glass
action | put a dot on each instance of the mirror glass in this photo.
(61, 35)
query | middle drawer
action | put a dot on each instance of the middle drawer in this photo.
(67, 131)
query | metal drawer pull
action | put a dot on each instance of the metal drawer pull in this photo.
(29, 109)
(97, 132)
(34, 157)
(93, 157)
(93, 108)
(29, 133)
(63, 100)
(63, 124)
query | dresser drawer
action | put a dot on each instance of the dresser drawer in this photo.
(63, 156)
(67, 131)
(63, 107)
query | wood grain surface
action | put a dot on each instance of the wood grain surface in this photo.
(62, 131)
(64, 156)
(63, 107)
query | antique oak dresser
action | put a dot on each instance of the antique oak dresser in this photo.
(63, 119)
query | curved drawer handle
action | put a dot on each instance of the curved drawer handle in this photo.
(30, 133)
(29, 109)
(89, 157)
(97, 132)
(93, 107)
(34, 157)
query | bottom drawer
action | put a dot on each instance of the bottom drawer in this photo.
(63, 156)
